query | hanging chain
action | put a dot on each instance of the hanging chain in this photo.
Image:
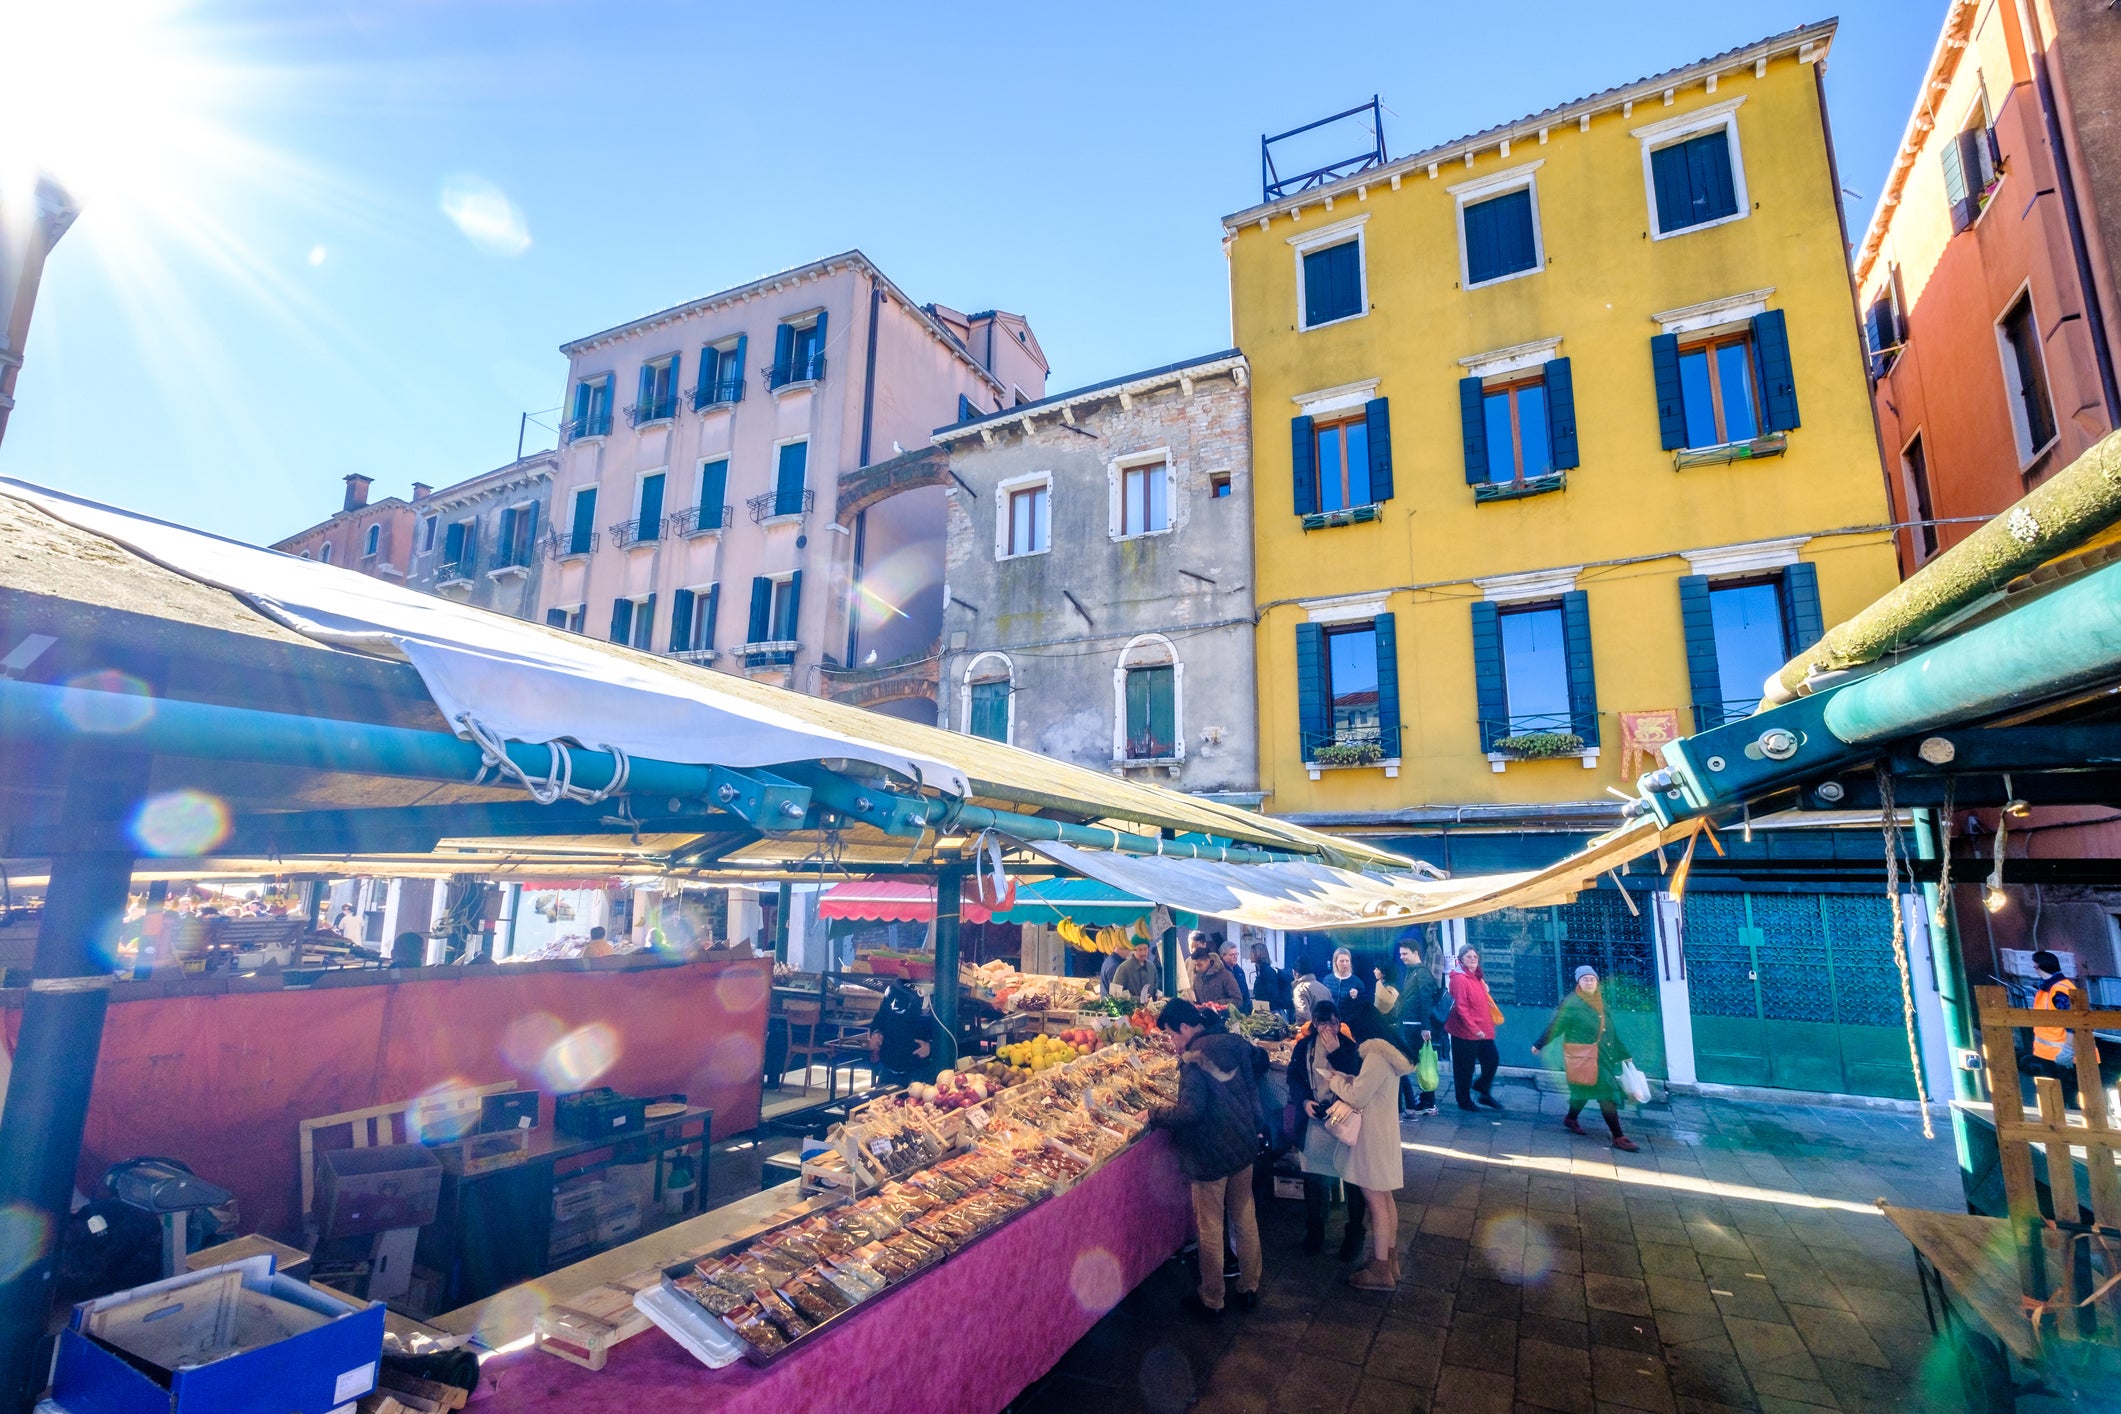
(1894, 849)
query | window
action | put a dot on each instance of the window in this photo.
(1499, 234)
(692, 616)
(1332, 283)
(1751, 643)
(633, 622)
(1151, 705)
(567, 616)
(1518, 428)
(1351, 683)
(1515, 415)
(786, 607)
(648, 508)
(798, 353)
(1717, 384)
(1971, 167)
(1342, 459)
(1144, 499)
(1739, 633)
(710, 507)
(1535, 669)
(988, 704)
(1881, 327)
(374, 542)
(427, 533)
(1915, 464)
(721, 375)
(788, 475)
(658, 391)
(2025, 379)
(1219, 485)
(460, 550)
(1031, 519)
(518, 534)
(966, 411)
(324, 552)
(581, 531)
(592, 407)
(1693, 171)
(1532, 672)
(1347, 692)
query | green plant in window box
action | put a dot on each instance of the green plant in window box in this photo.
(1538, 746)
(1349, 753)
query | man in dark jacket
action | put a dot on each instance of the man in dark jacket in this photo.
(904, 1035)
(1212, 981)
(1215, 1126)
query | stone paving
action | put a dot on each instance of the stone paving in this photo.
(1735, 1263)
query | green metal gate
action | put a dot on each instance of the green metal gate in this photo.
(1797, 991)
(1530, 955)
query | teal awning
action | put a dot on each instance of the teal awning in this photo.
(1085, 900)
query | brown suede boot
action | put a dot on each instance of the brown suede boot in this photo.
(1377, 1276)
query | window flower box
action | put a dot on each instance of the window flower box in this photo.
(1770, 444)
(1354, 515)
(1518, 490)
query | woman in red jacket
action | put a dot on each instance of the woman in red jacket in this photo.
(1474, 1017)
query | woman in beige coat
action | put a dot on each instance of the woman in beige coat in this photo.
(1373, 1162)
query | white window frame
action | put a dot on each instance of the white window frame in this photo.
(1657, 136)
(427, 533)
(1913, 501)
(1520, 178)
(530, 551)
(372, 542)
(1116, 478)
(633, 625)
(1303, 243)
(1004, 499)
(964, 691)
(324, 553)
(773, 604)
(2021, 430)
(1158, 643)
(573, 617)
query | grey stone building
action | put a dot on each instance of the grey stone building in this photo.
(485, 540)
(1098, 606)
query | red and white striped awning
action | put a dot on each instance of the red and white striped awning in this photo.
(890, 901)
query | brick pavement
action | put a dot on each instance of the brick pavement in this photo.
(1734, 1264)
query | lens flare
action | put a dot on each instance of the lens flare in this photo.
(576, 1060)
(24, 1236)
(528, 1038)
(740, 991)
(180, 824)
(733, 1059)
(1514, 1245)
(509, 1314)
(443, 1112)
(123, 704)
(1167, 1383)
(1097, 1281)
(483, 212)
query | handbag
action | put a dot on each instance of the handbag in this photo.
(1426, 1071)
(1387, 998)
(1633, 1083)
(1344, 1122)
(1579, 1059)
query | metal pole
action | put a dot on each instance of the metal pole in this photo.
(55, 1055)
(949, 887)
(522, 430)
(780, 924)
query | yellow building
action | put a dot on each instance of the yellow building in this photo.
(1556, 424)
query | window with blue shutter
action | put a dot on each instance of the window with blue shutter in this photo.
(1499, 237)
(1152, 699)
(761, 610)
(681, 621)
(556, 618)
(783, 353)
(990, 710)
(1303, 456)
(1778, 380)
(1969, 162)
(1536, 678)
(1561, 413)
(788, 607)
(1386, 631)
(1697, 620)
(714, 491)
(1377, 427)
(1332, 283)
(1491, 698)
(1314, 724)
(1473, 426)
(453, 545)
(582, 534)
(1583, 678)
(621, 621)
(1693, 182)
(788, 479)
(649, 517)
(1516, 431)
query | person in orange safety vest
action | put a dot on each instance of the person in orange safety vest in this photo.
(2057, 993)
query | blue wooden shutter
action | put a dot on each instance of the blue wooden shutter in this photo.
(581, 405)
(1583, 681)
(1483, 260)
(714, 610)
(453, 543)
(1379, 417)
(644, 626)
(817, 347)
(585, 521)
(681, 621)
(710, 374)
(1314, 719)
(783, 351)
(761, 608)
(1671, 401)
(1491, 698)
(714, 492)
(734, 372)
(1709, 173)
(788, 479)
(1561, 413)
(667, 400)
(1473, 419)
(1387, 683)
(1668, 176)
(793, 629)
(1303, 458)
(650, 526)
(1953, 156)
(1778, 381)
(621, 620)
(1698, 622)
(557, 618)
(529, 532)
(1802, 622)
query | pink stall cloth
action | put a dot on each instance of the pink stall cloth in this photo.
(965, 1337)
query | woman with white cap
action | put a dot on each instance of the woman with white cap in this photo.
(1592, 1053)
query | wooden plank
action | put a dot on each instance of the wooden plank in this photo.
(2001, 1011)
(1968, 1252)
(2000, 1053)
(2062, 1194)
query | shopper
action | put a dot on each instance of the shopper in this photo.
(1105, 970)
(1212, 981)
(1227, 950)
(1308, 991)
(1409, 1021)
(1592, 1052)
(1324, 1048)
(1373, 1163)
(1215, 1125)
(2054, 1050)
(903, 1036)
(1474, 1017)
(1139, 976)
(1353, 994)
(1271, 984)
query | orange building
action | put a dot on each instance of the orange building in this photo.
(1987, 277)
(374, 537)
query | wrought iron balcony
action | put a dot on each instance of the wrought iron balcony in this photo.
(596, 425)
(513, 557)
(1710, 715)
(655, 410)
(692, 655)
(774, 653)
(563, 547)
(720, 393)
(700, 520)
(779, 505)
(636, 532)
(457, 571)
(808, 368)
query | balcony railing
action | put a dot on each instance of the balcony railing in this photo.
(596, 425)
(562, 547)
(700, 520)
(1714, 714)
(457, 571)
(692, 655)
(774, 653)
(720, 393)
(654, 410)
(636, 532)
(1498, 735)
(1368, 734)
(775, 505)
(806, 369)
(514, 557)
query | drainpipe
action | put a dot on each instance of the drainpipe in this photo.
(876, 300)
(2066, 186)
(861, 519)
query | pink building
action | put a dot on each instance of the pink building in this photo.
(374, 537)
(707, 503)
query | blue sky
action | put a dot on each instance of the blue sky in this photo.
(272, 295)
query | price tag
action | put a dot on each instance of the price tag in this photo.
(880, 1147)
(977, 1117)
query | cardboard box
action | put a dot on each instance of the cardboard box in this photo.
(233, 1339)
(377, 1188)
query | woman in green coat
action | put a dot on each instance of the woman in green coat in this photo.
(1592, 1052)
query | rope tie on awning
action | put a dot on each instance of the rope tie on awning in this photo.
(1895, 849)
(559, 772)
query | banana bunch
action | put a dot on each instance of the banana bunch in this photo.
(1109, 939)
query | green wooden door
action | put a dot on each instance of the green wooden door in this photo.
(1796, 991)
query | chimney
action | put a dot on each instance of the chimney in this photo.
(421, 491)
(357, 491)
